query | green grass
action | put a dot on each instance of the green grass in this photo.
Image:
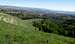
(24, 33)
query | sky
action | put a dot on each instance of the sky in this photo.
(60, 5)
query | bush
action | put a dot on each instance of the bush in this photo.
(49, 26)
(69, 27)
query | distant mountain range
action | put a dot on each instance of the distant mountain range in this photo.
(35, 10)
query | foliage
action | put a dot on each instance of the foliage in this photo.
(48, 26)
(66, 28)
(69, 27)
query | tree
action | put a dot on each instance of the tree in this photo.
(47, 25)
(69, 27)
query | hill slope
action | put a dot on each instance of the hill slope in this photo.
(23, 33)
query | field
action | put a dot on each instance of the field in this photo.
(24, 33)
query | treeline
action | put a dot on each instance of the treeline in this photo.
(22, 15)
(66, 28)
(25, 16)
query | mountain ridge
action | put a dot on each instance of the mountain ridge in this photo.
(37, 9)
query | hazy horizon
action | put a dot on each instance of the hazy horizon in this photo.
(60, 5)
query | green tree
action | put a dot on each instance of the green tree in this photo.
(47, 25)
(69, 27)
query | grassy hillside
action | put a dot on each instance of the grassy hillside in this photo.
(15, 21)
(24, 33)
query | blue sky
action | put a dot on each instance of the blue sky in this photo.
(65, 5)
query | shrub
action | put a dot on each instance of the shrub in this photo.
(46, 25)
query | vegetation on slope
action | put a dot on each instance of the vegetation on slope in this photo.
(66, 28)
(24, 33)
(14, 34)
